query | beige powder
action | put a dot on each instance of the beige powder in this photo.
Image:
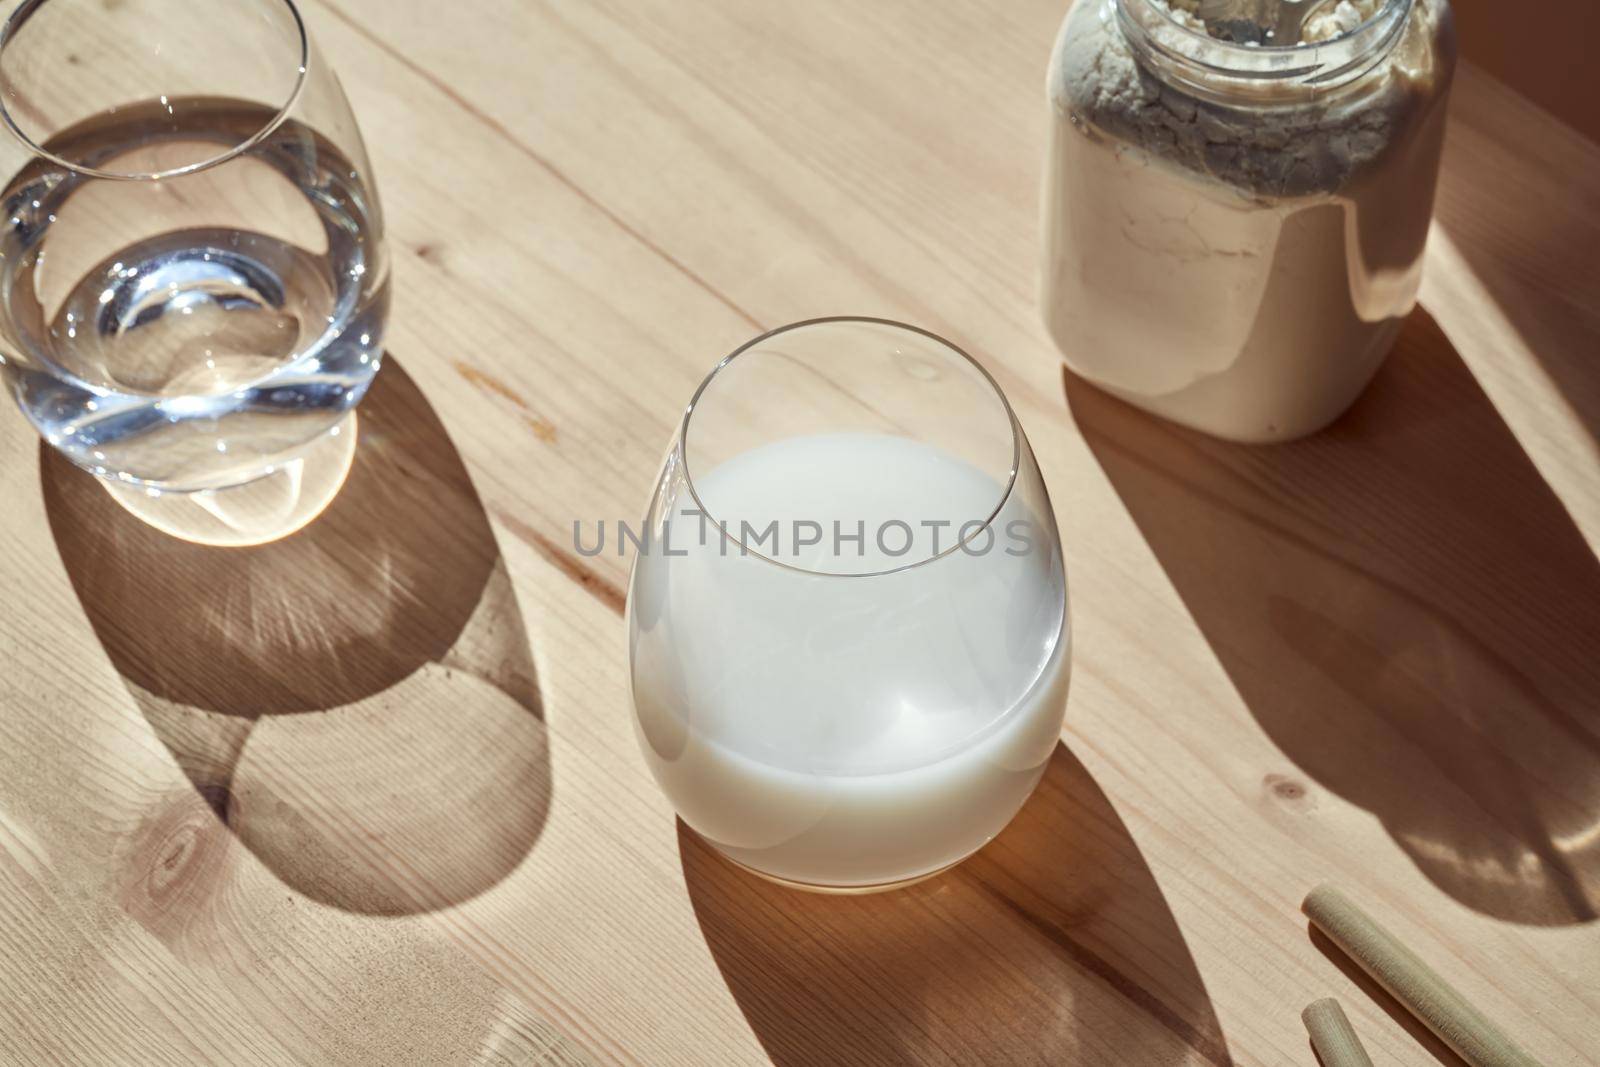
(1242, 270)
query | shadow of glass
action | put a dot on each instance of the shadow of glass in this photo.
(1408, 612)
(1052, 944)
(356, 701)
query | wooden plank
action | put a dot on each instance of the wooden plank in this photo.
(588, 205)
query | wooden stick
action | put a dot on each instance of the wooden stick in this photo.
(1332, 1035)
(1412, 982)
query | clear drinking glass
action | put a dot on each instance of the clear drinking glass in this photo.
(847, 612)
(193, 285)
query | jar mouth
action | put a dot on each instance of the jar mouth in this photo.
(1216, 67)
(13, 104)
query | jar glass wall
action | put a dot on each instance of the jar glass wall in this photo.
(1233, 233)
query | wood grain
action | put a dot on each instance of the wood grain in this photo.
(397, 814)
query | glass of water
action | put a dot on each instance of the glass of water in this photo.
(847, 613)
(193, 284)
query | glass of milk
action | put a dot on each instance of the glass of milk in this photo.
(847, 614)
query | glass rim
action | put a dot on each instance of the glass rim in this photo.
(1017, 439)
(24, 11)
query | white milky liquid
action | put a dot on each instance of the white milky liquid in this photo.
(859, 728)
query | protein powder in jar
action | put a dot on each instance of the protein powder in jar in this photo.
(1234, 225)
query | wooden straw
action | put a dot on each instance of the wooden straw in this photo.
(1332, 1035)
(1412, 982)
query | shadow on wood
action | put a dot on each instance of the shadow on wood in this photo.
(1517, 196)
(356, 701)
(1408, 612)
(1554, 69)
(1053, 944)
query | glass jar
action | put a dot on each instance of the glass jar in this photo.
(1233, 232)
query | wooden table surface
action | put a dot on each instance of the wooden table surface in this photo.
(370, 794)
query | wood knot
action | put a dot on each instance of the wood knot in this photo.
(176, 863)
(1289, 792)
